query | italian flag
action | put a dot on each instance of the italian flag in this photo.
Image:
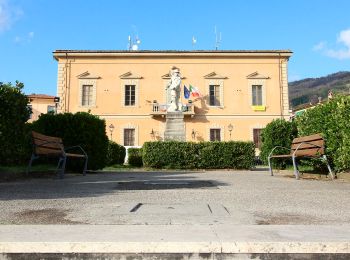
(195, 92)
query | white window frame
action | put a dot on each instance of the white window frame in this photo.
(129, 126)
(220, 84)
(216, 126)
(90, 82)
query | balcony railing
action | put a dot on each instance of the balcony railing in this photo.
(161, 109)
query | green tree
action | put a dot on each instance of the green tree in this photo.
(277, 133)
(14, 113)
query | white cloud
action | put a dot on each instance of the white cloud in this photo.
(8, 15)
(4, 16)
(320, 46)
(342, 52)
(24, 39)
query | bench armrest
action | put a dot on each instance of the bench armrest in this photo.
(76, 146)
(278, 147)
(305, 143)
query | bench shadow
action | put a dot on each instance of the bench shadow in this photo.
(95, 185)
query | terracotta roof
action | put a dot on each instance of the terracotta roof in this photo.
(43, 96)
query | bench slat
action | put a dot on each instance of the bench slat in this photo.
(308, 138)
(307, 145)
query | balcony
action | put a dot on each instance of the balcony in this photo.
(161, 109)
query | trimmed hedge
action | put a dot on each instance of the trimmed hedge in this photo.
(135, 157)
(277, 133)
(332, 121)
(82, 129)
(206, 155)
(13, 115)
(115, 153)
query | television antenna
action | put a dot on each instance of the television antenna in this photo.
(133, 43)
(217, 38)
(194, 41)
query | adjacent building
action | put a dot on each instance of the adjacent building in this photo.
(40, 104)
(240, 91)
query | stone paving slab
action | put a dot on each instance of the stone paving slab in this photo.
(174, 239)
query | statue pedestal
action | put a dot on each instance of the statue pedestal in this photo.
(174, 127)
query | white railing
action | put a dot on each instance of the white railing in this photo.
(162, 108)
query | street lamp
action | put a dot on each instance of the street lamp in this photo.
(111, 129)
(152, 133)
(230, 128)
(56, 100)
(193, 134)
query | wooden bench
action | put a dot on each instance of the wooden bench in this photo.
(50, 146)
(312, 146)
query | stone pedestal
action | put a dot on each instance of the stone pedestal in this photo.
(174, 127)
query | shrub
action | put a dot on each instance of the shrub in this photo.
(277, 133)
(208, 155)
(115, 153)
(82, 129)
(332, 121)
(13, 115)
(135, 157)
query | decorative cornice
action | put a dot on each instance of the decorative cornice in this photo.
(130, 75)
(214, 75)
(87, 75)
(256, 75)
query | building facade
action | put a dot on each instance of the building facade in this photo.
(240, 91)
(40, 104)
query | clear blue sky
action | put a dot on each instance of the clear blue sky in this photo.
(317, 31)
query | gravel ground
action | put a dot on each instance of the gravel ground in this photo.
(171, 198)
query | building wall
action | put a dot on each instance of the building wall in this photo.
(235, 74)
(39, 106)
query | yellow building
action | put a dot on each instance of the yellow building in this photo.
(241, 91)
(40, 104)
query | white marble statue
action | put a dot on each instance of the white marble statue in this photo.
(175, 90)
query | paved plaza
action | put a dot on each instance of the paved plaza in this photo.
(175, 214)
(176, 198)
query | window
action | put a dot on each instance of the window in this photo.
(214, 95)
(86, 97)
(30, 109)
(257, 95)
(215, 134)
(129, 137)
(257, 137)
(129, 95)
(51, 109)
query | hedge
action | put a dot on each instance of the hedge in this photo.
(277, 133)
(332, 121)
(135, 157)
(13, 115)
(115, 153)
(82, 129)
(206, 155)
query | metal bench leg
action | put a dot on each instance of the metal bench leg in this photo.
(85, 165)
(32, 158)
(269, 160)
(329, 168)
(63, 167)
(296, 172)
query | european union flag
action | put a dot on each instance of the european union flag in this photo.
(186, 92)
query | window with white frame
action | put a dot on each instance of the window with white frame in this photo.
(129, 95)
(257, 96)
(129, 137)
(51, 109)
(214, 95)
(87, 95)
(215, 134)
